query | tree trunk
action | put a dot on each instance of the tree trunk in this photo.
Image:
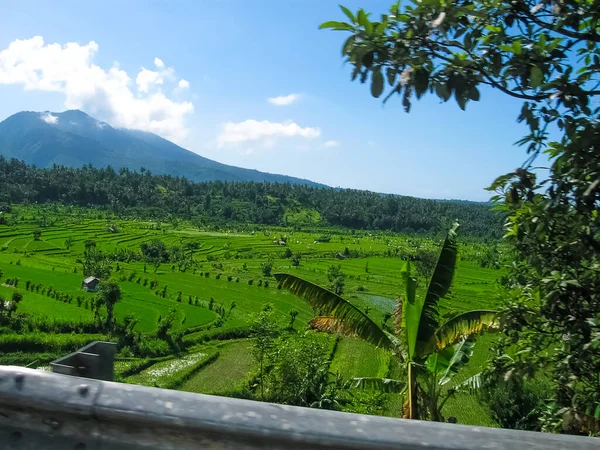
(411, 407)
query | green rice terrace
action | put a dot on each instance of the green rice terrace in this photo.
(192, 298)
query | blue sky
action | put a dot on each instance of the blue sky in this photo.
(233, 55)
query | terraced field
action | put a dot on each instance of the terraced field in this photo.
(223, 269)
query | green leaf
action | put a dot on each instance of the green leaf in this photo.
(468, 41)
(438, 288)
(473, 94)
(348, 13)
(336, 26)
(462, 326)
(347, 47)
(537, 76)
(442, 91)
(384, 385)
(413, 308)
(336, 307)
(362, 17)
(517, 47)
(446, 363)
(376, 82)
(421, 81)
(391, 75)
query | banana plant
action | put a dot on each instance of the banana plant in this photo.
(431, 348)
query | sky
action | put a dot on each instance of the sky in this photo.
(252, 83)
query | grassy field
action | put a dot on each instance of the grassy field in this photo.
(227, 373)
(225, 266)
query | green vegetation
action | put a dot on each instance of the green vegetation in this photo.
(182, 310)
(431, 348)
(223, 205)
(546, 55)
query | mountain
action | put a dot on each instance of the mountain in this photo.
(73, 138)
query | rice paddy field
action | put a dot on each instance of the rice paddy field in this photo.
(223, 269)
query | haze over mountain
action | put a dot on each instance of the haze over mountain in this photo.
(73, 138)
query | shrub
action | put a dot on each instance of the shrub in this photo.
(517, 404)
(266, 283)
(250, 282)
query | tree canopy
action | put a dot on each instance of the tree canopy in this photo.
(144, 195)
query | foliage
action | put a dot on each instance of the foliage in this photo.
(336, 277)
(109, 293)
(267, 267)
(264, 332)
(299, 374)
(139, 194)
(547, 55)
(517, 403)
(432, 348)
(95, 263)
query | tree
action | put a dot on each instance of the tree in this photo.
(295, 259)
(267, 267)
(95, 263)
(109, 293)
(431, 348)
(300, 376)
(336, 277)
(547, 55)
(425, 263)
(68, 243)
(264, 332)
(7, 308)
(37, 234)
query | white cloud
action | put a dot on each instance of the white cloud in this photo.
(284, 100)
(330, 144)
(184, 84)
(265, 131)
(146, 78)
(107, 94)
(159, 63)
(49, 118)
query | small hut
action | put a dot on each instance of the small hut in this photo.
(90, 284)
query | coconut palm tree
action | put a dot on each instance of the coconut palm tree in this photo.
(431, 348)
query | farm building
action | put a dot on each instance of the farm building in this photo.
(90, 284)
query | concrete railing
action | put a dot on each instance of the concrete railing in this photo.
(41, 410)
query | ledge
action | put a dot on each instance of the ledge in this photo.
(51, 411)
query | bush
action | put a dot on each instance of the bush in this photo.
(150, 347)
(250, 282)
(517, 404)
(266, 283)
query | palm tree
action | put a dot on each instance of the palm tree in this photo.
(431, 348)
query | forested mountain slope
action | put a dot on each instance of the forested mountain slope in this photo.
(145, 194)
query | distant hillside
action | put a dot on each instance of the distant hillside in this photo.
(161, 197)
(73, 139)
